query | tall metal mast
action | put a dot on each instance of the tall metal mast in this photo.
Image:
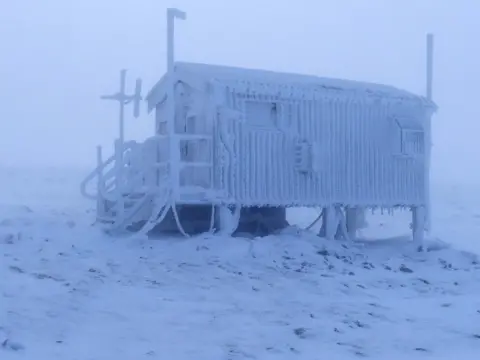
(172, 14)
(428, 130)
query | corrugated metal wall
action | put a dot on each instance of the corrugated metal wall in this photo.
(356, 157)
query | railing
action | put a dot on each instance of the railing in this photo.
(105, 181)
(139, 172)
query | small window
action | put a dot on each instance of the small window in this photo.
(264, 114)
(412, 142)
(162, 128)
(411, 136)
(160, 118)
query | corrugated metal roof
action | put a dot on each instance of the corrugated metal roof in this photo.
(207, 72)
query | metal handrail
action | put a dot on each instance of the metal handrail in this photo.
(97, 171)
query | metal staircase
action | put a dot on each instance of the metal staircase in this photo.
(124, 196)
(135, 189)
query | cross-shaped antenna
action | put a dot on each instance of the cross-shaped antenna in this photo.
(125, 99)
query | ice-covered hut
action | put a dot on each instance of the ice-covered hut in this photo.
(242, 142)
(260, 138)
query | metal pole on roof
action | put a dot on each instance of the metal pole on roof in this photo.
(172, 14)
(429, 65)
(428, 132)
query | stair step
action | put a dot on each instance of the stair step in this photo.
(194, 136)
(134, 195)
(106, 219)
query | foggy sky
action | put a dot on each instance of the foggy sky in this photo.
(59, 56)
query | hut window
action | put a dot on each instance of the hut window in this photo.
(160, 118)
(411, 136)
(264, 114)
(412, 142)
(162, 128)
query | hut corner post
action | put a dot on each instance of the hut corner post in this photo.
(421, 216)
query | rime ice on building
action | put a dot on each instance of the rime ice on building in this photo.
(235, 147)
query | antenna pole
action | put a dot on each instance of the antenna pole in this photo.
(429, 65)
(428, 131)
(172, 14)
(121, 120)
(124, 99)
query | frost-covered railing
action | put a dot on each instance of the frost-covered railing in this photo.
(134, 167)
(105, 172)
(144, 168)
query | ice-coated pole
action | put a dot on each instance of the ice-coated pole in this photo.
(123, 74)
(428, 131)
(429, 66)
(172, 14)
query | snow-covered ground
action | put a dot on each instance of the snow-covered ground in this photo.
(68, 292)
